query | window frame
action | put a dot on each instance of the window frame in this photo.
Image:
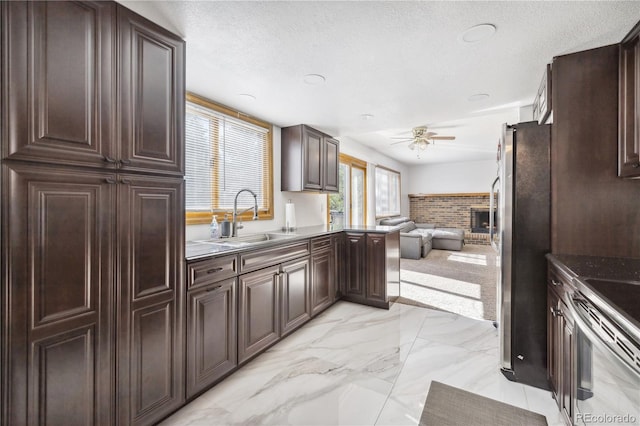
(357, 163)
(200, 217)
(399, 193)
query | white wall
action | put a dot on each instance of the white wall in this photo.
(445, 178)
(373, 158)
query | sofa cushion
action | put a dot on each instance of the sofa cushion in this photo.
(393, 221)
(426, 225)
(448, 234)
(424, 232)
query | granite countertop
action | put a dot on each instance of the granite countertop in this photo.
(202, 249)
(615, 282)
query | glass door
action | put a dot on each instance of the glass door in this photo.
(348, 206)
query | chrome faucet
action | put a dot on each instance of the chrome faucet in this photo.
(234, 225)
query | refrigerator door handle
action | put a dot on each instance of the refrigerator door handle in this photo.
(492, 206)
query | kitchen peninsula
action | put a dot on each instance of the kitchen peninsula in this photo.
(244, 294)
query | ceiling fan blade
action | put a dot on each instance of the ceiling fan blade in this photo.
(429, 134)
(443, 138)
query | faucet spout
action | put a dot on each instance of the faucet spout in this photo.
(234, 224)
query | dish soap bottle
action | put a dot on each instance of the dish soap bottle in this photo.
(213, 230)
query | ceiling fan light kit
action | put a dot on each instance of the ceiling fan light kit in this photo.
(422, 138)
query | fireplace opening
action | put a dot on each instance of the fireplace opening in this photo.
(480, 220)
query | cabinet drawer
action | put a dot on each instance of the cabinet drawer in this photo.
(559, 281)
(271, 256)
(211, 270)
(320, 243)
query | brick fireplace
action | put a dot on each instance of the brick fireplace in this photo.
(457, 210)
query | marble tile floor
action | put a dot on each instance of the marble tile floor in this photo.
(357, 365)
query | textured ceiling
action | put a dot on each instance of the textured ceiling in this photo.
(402, 62)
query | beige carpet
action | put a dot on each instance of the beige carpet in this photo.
(449, 406)
(463, 282)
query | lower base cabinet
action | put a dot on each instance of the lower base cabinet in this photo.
(295, 297)
(373, 265)
(323, 273)
(258, 311)
(561, 356)
(211, 334)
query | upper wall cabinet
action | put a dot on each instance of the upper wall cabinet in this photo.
(542, 102)
(151, 91)
(65, 67)
(629, 106)
(59, 82)
(310, 160)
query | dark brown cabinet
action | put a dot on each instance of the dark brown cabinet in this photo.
(60, 73)
(542, 112)
(629, 106)
(560, 343)
(152, 96)
(323, 273)
(151, 291)
(372, 267)
(59, 295)
(96, 332)
(296, 297)
(258, 311)
(211, 334)
(63, 69)
(310, 160)
(355, 251)
(376, 267)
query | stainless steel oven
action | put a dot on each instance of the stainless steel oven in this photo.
(607, 379)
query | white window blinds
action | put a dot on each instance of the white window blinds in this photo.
(387, 192)
(223, 155)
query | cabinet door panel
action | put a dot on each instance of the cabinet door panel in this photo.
(331, 164)
(63, 384)
(322, 274)
(60, 294)
(296, 303)
(211, 334)
(152, 354)
(258, 311)
(152, 95)
(376, 267)
(355, 253)
(312, 160)
(151, 277)
(60, 81)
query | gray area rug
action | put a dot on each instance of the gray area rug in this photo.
(463, 282)
(449, 406)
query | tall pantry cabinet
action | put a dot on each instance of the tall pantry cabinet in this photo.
(92, 215)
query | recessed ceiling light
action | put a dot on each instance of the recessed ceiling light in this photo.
(247, 96)
(477, 33)
(314, 79)
(367, 117)
(478, 97)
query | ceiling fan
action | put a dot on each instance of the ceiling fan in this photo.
(422, 138)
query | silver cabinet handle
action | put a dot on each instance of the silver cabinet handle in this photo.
(556, 283)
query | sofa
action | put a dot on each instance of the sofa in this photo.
(417, 239)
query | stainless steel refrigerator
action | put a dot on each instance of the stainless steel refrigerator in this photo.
(522, 238)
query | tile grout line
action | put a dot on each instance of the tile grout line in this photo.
(403, 365)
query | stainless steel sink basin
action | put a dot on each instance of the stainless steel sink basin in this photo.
(246, 240)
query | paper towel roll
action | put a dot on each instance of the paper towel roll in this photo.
(289, 216)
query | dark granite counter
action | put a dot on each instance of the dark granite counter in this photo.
(614, 283)
(202, 249)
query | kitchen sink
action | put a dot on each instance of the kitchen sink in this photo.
(246, 240)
